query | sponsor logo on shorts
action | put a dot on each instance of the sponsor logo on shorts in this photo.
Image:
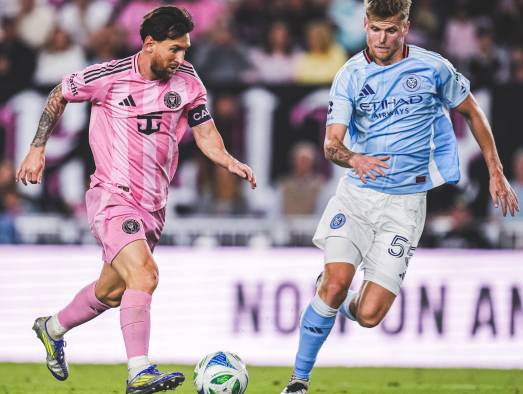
(131, 226)
(338, 221)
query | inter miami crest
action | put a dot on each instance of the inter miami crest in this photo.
(172, 100)
(131, 226)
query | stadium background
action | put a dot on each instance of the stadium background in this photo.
(236, 265)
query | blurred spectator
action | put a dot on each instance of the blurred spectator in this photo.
(250, 17)
(463, 230)
(81, 18)
(348, 16)
(516, 65)
(7, 176)
(517, 182)
(35, 22)
(9, 8)
(221, 190)
(460, 35)
(10, 203)
(509, 21)
(222, 58)
(17, 61)
(204, 13)
(490, 65)
(323, 58)
(299, 191)
(276, 61)
(59, 57)
(130, 20)
(106, 44)
(424, 24)
(298, 14)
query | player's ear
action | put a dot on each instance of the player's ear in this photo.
(365, 22)
(406, 27)
(148, 44)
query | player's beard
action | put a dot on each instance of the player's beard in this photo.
(161, 73)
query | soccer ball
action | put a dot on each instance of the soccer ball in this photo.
(221, 373)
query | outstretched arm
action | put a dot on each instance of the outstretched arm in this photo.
(32, 167)
(500, 189)
(211, 144)
(338, 153)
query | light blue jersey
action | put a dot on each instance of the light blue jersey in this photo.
(401, 111)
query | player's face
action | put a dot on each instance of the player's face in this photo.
(385, 38)
(167, 55)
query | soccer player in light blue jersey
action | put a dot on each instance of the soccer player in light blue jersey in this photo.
(388, 123)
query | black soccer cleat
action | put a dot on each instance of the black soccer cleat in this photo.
(296, 386)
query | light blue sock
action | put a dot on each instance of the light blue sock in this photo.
(315, 326)
(344, 308)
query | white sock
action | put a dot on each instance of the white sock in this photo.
(54, 328)
(345, 309)
(137, 364)
(322, 308)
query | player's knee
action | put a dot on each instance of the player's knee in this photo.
(368, 317)
(144, 277)
(150, 278)
(333, 290)
(111, 296)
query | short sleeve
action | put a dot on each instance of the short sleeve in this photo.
(198, 112)
(86, 85)
(453, 87)
(340, 104)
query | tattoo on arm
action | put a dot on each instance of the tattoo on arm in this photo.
(338, 153)
(53, 110)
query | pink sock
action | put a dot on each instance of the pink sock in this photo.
(135, 321)
(84, 307)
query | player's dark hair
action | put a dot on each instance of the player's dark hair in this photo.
(384, 9)
(166, 23)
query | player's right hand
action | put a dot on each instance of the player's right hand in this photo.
(32, 167)
(368, 166)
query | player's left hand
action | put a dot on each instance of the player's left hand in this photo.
(501, 191)
(243, 171)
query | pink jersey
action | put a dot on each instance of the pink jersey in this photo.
(136, 124)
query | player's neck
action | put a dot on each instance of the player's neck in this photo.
(144, 67)
(394, 59)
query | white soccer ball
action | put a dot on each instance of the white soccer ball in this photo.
(221, 373)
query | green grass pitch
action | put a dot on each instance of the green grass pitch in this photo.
(109, 379)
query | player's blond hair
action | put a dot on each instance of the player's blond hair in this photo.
(383, 9)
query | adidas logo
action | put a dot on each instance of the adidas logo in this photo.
(366, 91)
(128, 102)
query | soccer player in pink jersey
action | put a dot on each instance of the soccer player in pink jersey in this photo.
(141, 106)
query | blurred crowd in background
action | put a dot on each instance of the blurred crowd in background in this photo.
(255, 57)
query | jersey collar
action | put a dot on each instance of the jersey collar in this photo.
(135, 63)
(369, 59)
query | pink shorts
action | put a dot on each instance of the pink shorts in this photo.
(116, 220)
